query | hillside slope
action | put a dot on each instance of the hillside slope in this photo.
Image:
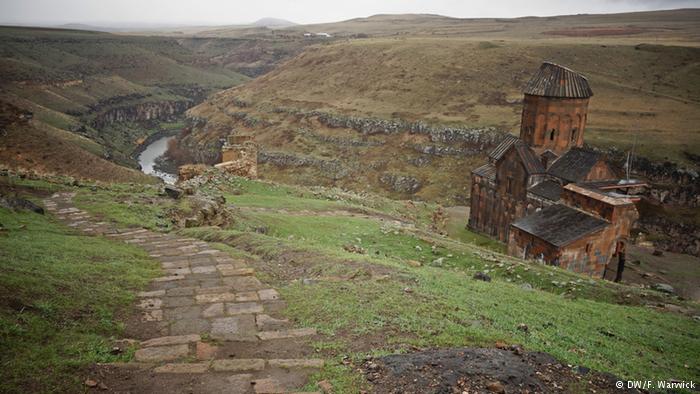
(113, 90)
(646, 93)
(32, 144)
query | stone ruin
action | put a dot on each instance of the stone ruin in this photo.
(239, 156)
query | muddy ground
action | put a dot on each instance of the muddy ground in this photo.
(482, 370)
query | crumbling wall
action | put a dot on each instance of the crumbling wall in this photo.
(240, 160)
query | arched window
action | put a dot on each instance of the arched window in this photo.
(551, 135)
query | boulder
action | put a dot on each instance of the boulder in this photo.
(664, 288)
(20, 204)
(482, 276)
(173, 192)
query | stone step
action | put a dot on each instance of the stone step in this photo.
(183, 368)
(238, 365)
(171, 340)
(162, 353)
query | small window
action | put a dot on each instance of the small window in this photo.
(551, 135)
(573, 134)
(509, 185)
(588, 247)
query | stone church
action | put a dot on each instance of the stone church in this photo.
(547, 196)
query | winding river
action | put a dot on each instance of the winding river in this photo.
(148, 156)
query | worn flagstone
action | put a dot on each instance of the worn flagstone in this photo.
(203, 301)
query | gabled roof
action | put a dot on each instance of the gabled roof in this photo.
(553, 80)
(501, 149)
(574, 165)
(548, 189)
(549, 155)
(560, 225)
(607, 198)
(530, 160)
(487, 171)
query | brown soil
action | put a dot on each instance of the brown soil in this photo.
(597, 32)
(482, 370)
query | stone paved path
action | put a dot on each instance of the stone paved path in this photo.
(209, 323)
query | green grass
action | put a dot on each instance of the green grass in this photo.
(364, 297)
(581, 321)
(448, 309)
(60, 296)
(445, 307)
(127, 205)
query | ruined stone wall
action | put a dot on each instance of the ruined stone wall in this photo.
(240, 160)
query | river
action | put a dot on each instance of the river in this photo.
(148, 156)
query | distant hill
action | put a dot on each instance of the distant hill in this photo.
(307, 113)
(80, 26)
(273, 22)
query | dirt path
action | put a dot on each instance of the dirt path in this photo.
(207, 326)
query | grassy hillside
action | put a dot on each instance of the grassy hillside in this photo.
(375, 278)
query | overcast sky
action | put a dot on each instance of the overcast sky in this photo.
(220, 12)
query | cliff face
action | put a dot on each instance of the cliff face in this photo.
(395, 157)
(161, 110)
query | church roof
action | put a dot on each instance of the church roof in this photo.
(560, 225)
(503, 147)
(548, 189)
(553, 80)
(487, 171)
(530, 160)
(574, 165)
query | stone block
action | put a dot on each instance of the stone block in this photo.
(183, 368)
(213, 310)
(268, 294)
(238, 365)
(243, 308)
(212, 298)
(161, 353)
(171, 340)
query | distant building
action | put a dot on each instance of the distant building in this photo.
(239, 156)
(544, 194)
(320, 35)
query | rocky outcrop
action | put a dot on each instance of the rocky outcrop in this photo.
(483, 137)
(671, 184)
(333, 169)
(442, 150)
(401, 183)
(677, 237)
(339, 141)
(157, 110)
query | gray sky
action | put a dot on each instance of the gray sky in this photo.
(219, 12)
